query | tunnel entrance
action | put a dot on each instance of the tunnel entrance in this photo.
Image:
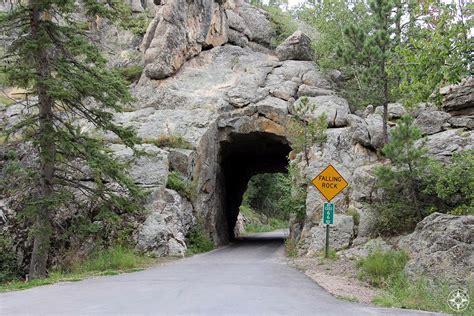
(243, 155)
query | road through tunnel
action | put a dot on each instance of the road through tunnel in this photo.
(242, 156)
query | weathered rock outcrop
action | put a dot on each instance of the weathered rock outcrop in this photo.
(170, 219)
(459, 99)
(296, 47)
(442, 246)
(180, 30)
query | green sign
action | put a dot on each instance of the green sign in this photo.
(328, 214)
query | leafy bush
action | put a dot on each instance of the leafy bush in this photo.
(9, 269)
(136, 23)
(379, 266)
(170, 141)
(130, 73)
(198, 241)
(180, 184)
(291, 247)
(282, 23)
(414, 186)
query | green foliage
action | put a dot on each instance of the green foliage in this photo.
(429, 47)
(304, 131)
(421, 293)
(283, 24)
(291, 248)
(136, 23)
(117, 258)
(454, 184)
(332, 254)
(52, 57)
(9, 269)
(379, 266)
(198, 241)
(111, 261)
(355, 215)
(180, 184)
(415, 186)
(170, 141)
(130, 73)
(437, 50)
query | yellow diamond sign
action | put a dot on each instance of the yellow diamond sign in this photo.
(329, 182)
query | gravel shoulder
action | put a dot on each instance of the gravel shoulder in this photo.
(337, 276)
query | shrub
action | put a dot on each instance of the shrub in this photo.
(180, 184)
(198, 241)
(379, 266)
(414, 185)
(136, 23)
(282, 23)
(291, 247)
(170, 141)
(130, 73)
(9, 269)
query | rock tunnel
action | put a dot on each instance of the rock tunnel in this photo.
(241, 156)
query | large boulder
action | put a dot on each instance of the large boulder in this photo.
(258, 22)
(170, 219)
(296, 47)
(442, 247)
(431, 122)
(394, 110)
(459, 98)
(180, 31)
(341, 235)
(441, 146)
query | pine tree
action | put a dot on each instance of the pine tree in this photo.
(370, 51)
(52, 58)
(304, 131)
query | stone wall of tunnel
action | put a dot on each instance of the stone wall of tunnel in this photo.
(235, 148)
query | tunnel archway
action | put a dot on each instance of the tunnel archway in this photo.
(241, 156)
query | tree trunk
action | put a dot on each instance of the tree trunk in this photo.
(47, 151)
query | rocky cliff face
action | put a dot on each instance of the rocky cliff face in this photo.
(211, 78)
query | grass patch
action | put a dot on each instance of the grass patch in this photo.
(117, 259)
(401, 292)
(198, 242)
(135, 23)
(291, 248)
(170, 141)
(180, 184)
(332, 254)
(258, 223)
(379, 266)
(110, 261)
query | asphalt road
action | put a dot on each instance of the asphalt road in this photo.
(249, 277)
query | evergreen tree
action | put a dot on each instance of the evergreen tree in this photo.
(370, 51)
(304, 131)
(52, 58)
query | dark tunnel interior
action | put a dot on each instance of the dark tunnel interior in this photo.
(245, 155)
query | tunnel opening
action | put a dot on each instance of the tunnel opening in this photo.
(243, 155)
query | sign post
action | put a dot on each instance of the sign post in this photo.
(328, 219)
(330, 183)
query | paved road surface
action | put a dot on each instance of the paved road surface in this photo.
(246, 278)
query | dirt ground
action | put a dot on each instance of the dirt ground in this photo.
(337, 276)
